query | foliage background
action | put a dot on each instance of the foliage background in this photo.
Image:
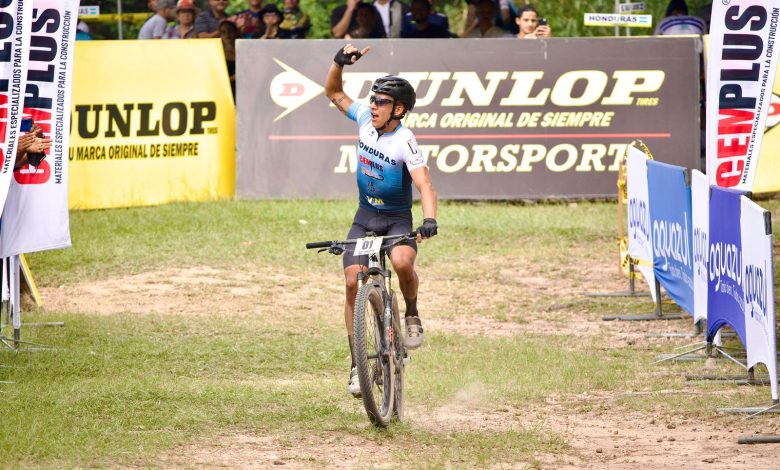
(565, 16)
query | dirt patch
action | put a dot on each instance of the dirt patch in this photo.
(519, 298)
(329, 450)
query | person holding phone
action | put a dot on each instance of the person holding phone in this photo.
(31, 145)
(531, 26)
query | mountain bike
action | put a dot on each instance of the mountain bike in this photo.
(380, 354)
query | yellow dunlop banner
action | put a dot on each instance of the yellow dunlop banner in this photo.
(153, 122)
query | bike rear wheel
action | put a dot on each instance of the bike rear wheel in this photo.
(373, 358)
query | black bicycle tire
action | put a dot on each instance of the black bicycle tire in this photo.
(369, 297)
(399, 403)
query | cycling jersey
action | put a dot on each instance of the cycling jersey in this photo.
(384, 163)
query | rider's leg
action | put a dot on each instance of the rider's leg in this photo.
(403, 258)
(351, 282)
(350, 292)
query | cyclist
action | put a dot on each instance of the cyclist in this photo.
(389, 161)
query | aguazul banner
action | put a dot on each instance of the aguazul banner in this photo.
(757, 285)
(640, 245)
(700, 223)
(670, 219)
(725, 298)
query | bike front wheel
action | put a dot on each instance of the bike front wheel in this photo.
(373, 357)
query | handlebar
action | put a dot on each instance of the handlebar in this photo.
(328, 244)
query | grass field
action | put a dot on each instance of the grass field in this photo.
(206, 335)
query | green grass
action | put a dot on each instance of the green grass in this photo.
(121, 389)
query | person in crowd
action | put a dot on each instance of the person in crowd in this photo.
(677, 21)
(33, 142)
(421, 26)
(528, 22)
(366, 16)
(82, 32)
(228, 31)
(272, 18)
(705, 13)
(484, 25)
(155, 27)
(295, 23)
(385, 190)
(250, 21)
(436, 19)
(343, 20)
(207, 23)
(184, 28)
(391, 12)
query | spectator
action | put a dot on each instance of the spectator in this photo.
(185, 22)
(391, 12)
(421, 26)
(296, 23)
(82, 32)
(249, 21)
(677, 21)
(506, 17)
(528, 22)
(705, 13)
(228, 31)
(33, 142)
(484, 25)
(155, 27)
(366, 16)
(272, 17)
(207, 23)
(434, 18)
(343, 19)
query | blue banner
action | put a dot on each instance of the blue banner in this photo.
(725, 298)
(670, 219)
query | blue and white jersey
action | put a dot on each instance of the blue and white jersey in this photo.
(384, 163)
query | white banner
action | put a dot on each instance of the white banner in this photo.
(15, 22)
(640, 245)
(35, 217)
(700, 222)
(757, 284)
(740, 71)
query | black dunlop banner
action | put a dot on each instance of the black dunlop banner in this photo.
(495, 118)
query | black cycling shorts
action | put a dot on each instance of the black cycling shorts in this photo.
(381, 223)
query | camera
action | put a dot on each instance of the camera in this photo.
(542, 22)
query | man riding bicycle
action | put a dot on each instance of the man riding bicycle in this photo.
(389, 161)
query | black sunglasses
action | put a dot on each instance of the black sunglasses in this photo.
(379, 101)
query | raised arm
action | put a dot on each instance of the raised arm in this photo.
(348, 55)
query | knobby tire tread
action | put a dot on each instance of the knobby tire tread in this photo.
(369, 299)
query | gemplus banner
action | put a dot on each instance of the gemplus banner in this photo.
(152, 122)
(495, 118)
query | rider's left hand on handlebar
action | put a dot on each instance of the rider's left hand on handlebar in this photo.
(428, 229)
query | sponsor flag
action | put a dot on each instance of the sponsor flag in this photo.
(740, 70)
(639, 238)
(725, 299)
(35, 216)
(670, 219)
(757, 277)
(700, 223)
(14, 50)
